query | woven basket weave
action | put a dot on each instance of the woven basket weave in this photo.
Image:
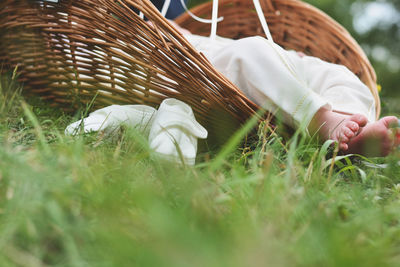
(73, 52)
(294, 25)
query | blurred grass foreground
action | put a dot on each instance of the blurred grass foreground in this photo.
(97, 200)
(108, 201)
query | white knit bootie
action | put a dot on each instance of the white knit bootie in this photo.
(174, 132)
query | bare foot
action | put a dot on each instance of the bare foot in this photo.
(377, 138)
(354, 135)
(342, 128)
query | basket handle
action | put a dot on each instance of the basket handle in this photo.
(196, 17)
(214, 17)
(165, 7)
(262, 19)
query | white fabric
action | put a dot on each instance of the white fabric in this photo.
(110, 118)
(172, 131)
(175, 131)
(282, 81)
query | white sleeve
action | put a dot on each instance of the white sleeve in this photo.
(337, 85)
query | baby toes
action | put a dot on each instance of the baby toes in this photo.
(353, 126)
(390, 121)
(361, 120)
(343, 146)
(348, 133)
(343, 138)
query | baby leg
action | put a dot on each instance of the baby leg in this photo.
(264, 72)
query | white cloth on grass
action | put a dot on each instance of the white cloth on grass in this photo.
(281, 81)
(172, 130)
(110, 118)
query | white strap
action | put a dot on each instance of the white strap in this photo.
(165, 7)
(196, 17)
(214, 18)
(261, 17)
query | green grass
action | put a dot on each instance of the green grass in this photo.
(109, 201)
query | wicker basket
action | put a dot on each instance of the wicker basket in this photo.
(294, 25)
(73, 52)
